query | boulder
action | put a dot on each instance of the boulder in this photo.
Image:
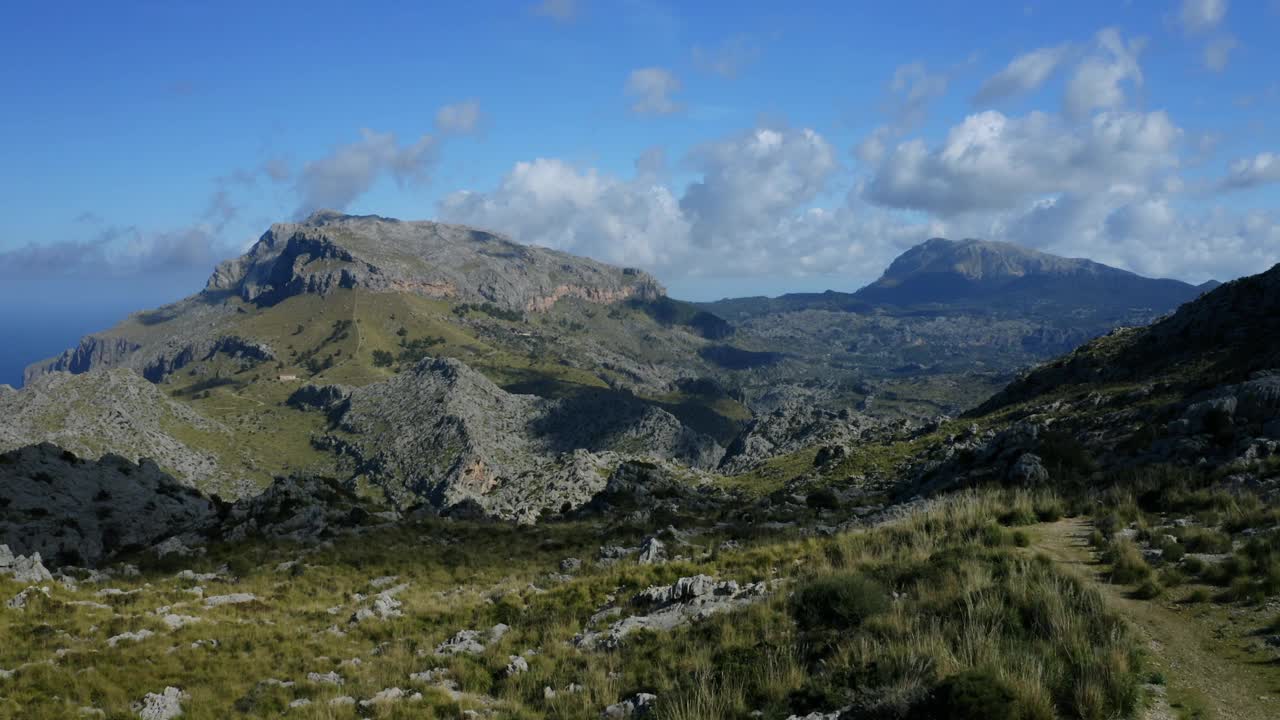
(161, 706)
(638, 705)
(1028, 470)
(652, 551)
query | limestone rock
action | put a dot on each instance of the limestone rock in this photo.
(1028, 470)
(669, 606)
(652, 551)
(19, 601)
(80, 512)
(230, 599)
(329, 678)
(639, 705)
(164, 705)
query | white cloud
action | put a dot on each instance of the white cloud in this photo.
(1261, 169)
(1022, 75)
(562, 11)
(460, 118)
(1099, 79)
(870, 151)
(752, 179)
(651, 90)
(549, 202)
(991, 161)
(748, 215)
(728, 59)
(1202, 15)
(348, 171)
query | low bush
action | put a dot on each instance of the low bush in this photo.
(838, 601)
(972, 695)
(1128, 567)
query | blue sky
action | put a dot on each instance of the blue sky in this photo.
(731, 148)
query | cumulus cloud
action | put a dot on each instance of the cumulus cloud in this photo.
(749, 214)
(991, 161)
(552, 203)
(558, 10)
(1146, 233)
(348, 171)
(754, 177)
(727, 59)
(1022, 75)
(651, 89)
(1261, 169)
(460, 118)
(1202, 15)
(1100, 79)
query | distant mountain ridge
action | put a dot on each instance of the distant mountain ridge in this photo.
(946, 271)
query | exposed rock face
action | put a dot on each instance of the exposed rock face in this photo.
(793, 426)
(22, 568)
(329, 251)
(444, 433)
(670, 606)
(113, 411)
(92, 352)
(295, 508)
(80, 512)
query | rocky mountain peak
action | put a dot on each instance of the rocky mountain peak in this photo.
(942, 271)
(981, 260)
(329, 250)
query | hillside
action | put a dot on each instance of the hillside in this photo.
(818, 563)
(364, 304)
(946, 325)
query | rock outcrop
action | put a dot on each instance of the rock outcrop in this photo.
(444, 433)
(329, 250)
(111, 411)
(80, 512)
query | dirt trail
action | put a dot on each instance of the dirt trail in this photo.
(1192, 654)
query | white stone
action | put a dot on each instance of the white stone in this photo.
(160, 706)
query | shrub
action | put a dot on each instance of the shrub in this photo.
(1173, 552)
(1049, 509)
(823, 499)
(838, 601)
(1148, 590)
(1127, 564)
(1205, 540)
(1199, 595)
(972, 695)
(1062, 451)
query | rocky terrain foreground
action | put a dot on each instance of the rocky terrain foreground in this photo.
(385, 469)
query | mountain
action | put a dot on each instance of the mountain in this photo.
(1225, 336)
(501, 362)
(998, 274)
(1193, 399)
(329, 252)
(947, 324)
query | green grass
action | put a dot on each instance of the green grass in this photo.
(884, 617)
